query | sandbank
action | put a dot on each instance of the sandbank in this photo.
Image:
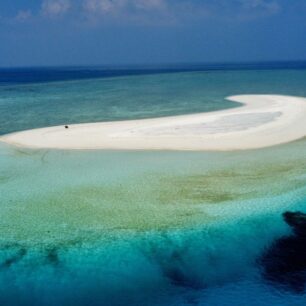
(261, 121)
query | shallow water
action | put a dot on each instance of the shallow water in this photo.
(143, 228)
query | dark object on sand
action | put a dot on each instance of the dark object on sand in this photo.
(285, 262)
(66, 127)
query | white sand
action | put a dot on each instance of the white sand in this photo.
(262, 121)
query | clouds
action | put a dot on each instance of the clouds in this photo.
(152, 12)
(150, 4)
(264, 6)
(104, 6)
(53, 8)
(23, 16)
(176, 11)
(261, 4)
(127, 11)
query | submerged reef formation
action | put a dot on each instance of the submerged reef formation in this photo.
(285, 262)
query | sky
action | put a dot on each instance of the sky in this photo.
(119, 32)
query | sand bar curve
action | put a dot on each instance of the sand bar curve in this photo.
(261, 121)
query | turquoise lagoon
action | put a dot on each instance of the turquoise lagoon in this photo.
(137, 227)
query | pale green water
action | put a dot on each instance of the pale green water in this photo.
(139, 191)
(143, 228)
(131, 221)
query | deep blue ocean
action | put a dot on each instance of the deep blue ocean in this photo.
(147, 228)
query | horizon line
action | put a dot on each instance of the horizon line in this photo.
(141, 66)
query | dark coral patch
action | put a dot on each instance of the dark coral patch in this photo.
(14, 258)
(284, 264)
(52, 257)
